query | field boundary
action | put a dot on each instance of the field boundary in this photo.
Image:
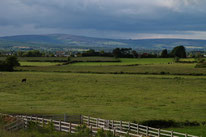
(132, 128)
(120, 128)
(69, 127)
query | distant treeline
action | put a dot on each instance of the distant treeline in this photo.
(178, 51)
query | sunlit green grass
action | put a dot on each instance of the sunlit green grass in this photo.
(121, 97)
(39, 63)
(172, 69)
(198, 131)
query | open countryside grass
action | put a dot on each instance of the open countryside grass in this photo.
(39, 59)
(107, 96)
(176, 68)
(127, 61)
(199, 131)
(39, 63)
(64, 59)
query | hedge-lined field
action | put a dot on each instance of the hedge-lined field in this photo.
(172, 69)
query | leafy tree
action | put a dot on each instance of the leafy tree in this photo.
(164, 53)
(116, 52)
(122, 53)
(179, 51)
(176, 59)
(9, 63)
(135, 54)
(32, 53)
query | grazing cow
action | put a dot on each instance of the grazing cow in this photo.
(23, 80)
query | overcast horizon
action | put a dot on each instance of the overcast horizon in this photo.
(119, 19)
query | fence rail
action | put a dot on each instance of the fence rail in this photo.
(118, 128)
(70, 127)
(132, 128)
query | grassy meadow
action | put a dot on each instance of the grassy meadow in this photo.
(110, 88)
(172, 69)
(140, 98)
(38, 64)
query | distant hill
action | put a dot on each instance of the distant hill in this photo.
(72, 41)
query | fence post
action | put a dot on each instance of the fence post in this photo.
(65, 117)
(114, 132)
(159, 132)
(60, 125)
(42, 122)
(171, 133)
(97, 122)
(147, 131)
(112, 124)
(137, 128)
(70, 128)
(120, 125)
(91, 129)
(81, 119)
(129, 126)
(185, 135)
(26, 123)
(88, 120)
(108, 123)
(36, 120)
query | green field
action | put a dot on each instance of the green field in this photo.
(125, 66)
(109, 88)
(140, 98)
(125, 61)
(199, 131)
(171, 69)
(40, 63)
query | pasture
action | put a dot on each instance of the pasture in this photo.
(171, 69)
(128, 61)
(141, 97)
(40, 63)
(110, 88)
(109, 65)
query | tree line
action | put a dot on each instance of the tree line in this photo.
(178, 51)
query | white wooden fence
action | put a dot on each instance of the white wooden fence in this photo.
(118, 128)
(70, 127)
(132, 128)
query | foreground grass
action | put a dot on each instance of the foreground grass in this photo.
(198, 131)
(108, 96)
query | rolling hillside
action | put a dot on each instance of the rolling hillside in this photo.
(72, 41)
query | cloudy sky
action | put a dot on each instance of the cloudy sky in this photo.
(134, 19)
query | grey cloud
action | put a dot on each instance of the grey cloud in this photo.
(121, 16)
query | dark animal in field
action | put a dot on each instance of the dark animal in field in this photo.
(23, 80)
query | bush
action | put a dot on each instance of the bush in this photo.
(83, 131)
(176, 59)
(102, 133)
(168, 123)
(9, 63)
(160, 123)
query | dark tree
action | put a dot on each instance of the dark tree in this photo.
(122, 53)
(164, 53)
(9, 63)
(135, 54)
(12, 62)
(116, 52)
(179, 51)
